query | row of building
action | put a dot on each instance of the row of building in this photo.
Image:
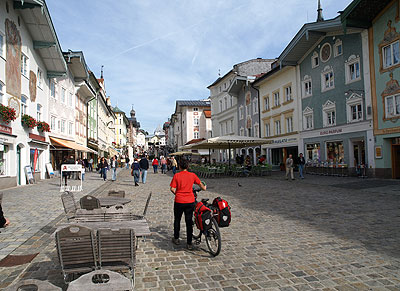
(332, 94)
(60, 107)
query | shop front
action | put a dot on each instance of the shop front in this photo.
(8, 165)
(387, 156)
(278, 150)
(38, 155)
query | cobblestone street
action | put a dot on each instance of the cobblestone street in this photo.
(323, 233)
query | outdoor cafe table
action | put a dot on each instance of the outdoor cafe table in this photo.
(111, 201)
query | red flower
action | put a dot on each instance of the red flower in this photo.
(43, 126)
(28, 120)
(7, 114)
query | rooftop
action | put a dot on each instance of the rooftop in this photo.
(193, 103)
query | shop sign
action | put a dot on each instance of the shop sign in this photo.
(29, 175)
(37, 137)
(5, 129)
(331, 131)
(378, 152)
(282, 140)
(71, 168)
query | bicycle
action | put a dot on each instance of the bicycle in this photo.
(212, 235)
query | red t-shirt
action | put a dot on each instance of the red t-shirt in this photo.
(183, 182)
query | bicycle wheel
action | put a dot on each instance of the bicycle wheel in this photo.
(213, 238)
(196, 231)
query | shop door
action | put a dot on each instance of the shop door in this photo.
(396, 161)
(19, 165)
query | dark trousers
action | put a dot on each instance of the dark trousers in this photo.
(188, 209)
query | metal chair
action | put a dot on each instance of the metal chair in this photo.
(89, 202)
(76, 250)
(69, 204)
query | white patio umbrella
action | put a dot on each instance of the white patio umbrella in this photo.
(227, 142)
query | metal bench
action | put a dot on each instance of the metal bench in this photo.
(101, 280)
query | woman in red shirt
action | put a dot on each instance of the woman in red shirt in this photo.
(155, 165)
(182, 188)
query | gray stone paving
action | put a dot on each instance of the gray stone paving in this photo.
(285, 235)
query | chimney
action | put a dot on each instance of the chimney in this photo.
(319, 17)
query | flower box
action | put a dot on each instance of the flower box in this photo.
(28, 121)
(43, 126)
(7, 114)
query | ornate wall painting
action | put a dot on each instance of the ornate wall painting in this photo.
(13, 55)
(32, 86)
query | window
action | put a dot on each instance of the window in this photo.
(356, 112)
(52, 123)
(24, 65)
(195, 109)
(196, 122)
(58, 125)
(392, 106)
(39, 78)
(2, 93)
(24, 105)
(255, 106)
(63, 92)
(231, 126)
(70, 99)
(196, 135)
(331, 117)
(335, 152)
(307, 86)
(39, 112)
(120, 141)
(338, 48)
(52, 89)
(266, 103)
(70, 128)
(289, 124)
(220, 105)
(277, 127)
(353, 69)
(120, 131)
(62, 126)
(32, 158)
(314, 60)
(226, 102)
(326, 52)
(241, 113)
(1, 45)
(327, 79)
(256, 130)
(308, 115)
(276, 99)
(354, 108)
(391, 55)
(288, 93)
(329, 113)
(3, 160)
(241, 132)
(313, 152)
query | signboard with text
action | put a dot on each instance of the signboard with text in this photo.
(68, 171)
(29, 174)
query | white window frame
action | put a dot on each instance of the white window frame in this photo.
(329, 109)
(255, 106)
(70, 126)
(2, 45)
(338, 43)
(256, 130)
(63, 95)
(277, 99)
(39, 112)
(24, 105)
(70, 98)
(58, 124)
(63, 125)
(53, 89)
(2, 93)
(196, 135)
(352, 61)
(289, 124)
(354, 100)
(39, 78)
(195, 109)
(266, 103)
(241, 113)
(220, 106)
(392, 60)
(395, 112)
(314, 60)
(331, 82)
(267, 128)
(288, 93)
(277, 127)
(196, 121)
(307, 90)
(52, 122)
(24, 65)
(308, 113)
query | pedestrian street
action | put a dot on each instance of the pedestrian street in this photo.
(326, 233)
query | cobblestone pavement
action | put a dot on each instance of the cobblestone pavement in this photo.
(325, 233)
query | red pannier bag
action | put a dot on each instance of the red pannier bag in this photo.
(223, 211)
(203, 216)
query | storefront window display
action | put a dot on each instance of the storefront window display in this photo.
(32, 156)
(335, 152)
(313, 152)
(3, 160)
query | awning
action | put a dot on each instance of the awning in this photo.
(113, 152)
(70, 144)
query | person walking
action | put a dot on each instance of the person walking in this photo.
(174, 165)
(104, 168)
(65, 173)
(127, 162)
(144, 166)
(135, 171)
(289, 167)
(113, 166)
(163, 165)
(182, 187)
(90, 165)
(155, 165)
(301, 162)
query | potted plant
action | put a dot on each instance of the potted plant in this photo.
(7, 114)
(43, 126)
(28, 121)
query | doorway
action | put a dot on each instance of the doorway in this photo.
(396, 161)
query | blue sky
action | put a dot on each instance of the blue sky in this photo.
(157, 51)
